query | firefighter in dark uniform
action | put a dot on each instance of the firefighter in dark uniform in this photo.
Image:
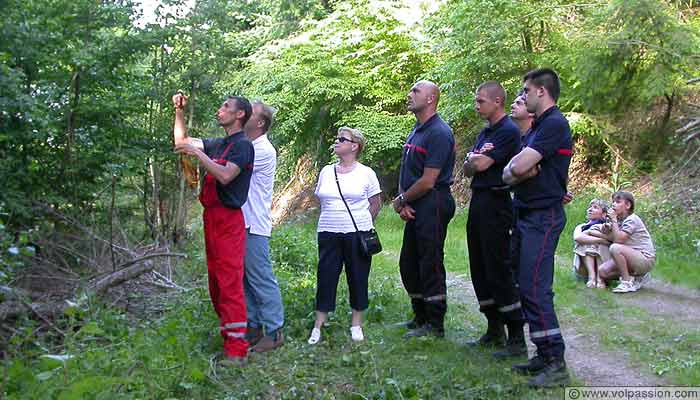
(539, 174)
(490, 221)
(426, 204)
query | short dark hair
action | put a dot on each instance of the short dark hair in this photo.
(243, 104)
(625, 196)
(494, 89)
(547, 78)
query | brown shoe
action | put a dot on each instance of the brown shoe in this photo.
(268, 343)
(253, 335)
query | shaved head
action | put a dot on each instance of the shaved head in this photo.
(431, 88)
(423, 98)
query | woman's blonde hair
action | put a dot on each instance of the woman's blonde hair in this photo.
(357, 137)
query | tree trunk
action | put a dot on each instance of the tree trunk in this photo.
(154, 175)
(670, 102)
(74, 94)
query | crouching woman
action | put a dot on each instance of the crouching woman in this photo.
(632, 250)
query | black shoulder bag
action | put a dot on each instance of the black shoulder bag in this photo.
(369, 241)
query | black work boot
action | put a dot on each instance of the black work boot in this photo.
(495, 335)
(413, 323)
(554, 374)
(425, 330)
(533, 366)
(515, 346)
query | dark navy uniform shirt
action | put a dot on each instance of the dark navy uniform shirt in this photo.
(430, 145)
(550, 136)
(505, 136)
(241, 153)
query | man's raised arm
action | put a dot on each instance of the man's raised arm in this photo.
(179, 128)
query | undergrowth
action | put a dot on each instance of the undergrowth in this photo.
(171, 352)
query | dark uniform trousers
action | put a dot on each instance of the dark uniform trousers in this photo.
(515, 250)
(539, 234)
(422, 256)
(488, 238)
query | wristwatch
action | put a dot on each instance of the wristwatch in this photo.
(402, 200)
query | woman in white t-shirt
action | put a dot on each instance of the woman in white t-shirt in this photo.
(338, 242)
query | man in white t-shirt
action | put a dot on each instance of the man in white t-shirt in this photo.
(263, 298)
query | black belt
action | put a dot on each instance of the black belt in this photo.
(505, 188)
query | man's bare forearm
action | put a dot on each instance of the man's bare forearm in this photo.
(222, 173)
(180, 129)
(418, 189)
(469, 168)
(511, 178)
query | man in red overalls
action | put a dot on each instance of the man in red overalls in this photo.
(229, 163)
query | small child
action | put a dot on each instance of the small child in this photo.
(591, 251)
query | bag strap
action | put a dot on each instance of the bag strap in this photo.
(343, 198)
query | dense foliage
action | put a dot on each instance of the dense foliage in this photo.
(86, 155)
(85, 125)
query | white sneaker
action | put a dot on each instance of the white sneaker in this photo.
(356, 334)
(315, 336)
(626, 286)
(640, 281)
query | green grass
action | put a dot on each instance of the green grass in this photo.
(169, 354)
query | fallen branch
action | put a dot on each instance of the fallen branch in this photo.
(165, 282)
(16, 304)
(102, 285)
(134, 269)
(690, 125)
(149, 256)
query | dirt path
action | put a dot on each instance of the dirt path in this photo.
(664, 300)
(583, 355)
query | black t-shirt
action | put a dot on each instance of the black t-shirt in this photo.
(241, 153)
(505, 136)
(430, 145)
(550, 136)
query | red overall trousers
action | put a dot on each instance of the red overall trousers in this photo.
(224, 238)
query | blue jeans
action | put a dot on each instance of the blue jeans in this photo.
(263, 298)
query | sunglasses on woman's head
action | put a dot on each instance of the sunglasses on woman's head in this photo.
(341, 139)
